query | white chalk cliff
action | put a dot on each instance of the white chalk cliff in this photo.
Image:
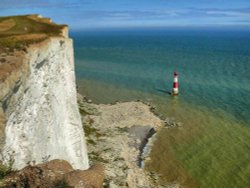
(41, 111)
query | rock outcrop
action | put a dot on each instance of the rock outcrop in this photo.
(56, 173)
(39, 115)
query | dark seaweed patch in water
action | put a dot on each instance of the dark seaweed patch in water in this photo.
(144, 143)
(143, 133)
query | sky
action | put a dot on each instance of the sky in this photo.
(96, 14)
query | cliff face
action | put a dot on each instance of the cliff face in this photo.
(40, 117)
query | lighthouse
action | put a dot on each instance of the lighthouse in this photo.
(175, 84)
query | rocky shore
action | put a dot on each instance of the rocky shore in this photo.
(116, 136)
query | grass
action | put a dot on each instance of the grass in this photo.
(89, 129)
(7, 24)
(84, 112)
(20, 31)
(5, 169)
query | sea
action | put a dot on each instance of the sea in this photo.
(211, 146)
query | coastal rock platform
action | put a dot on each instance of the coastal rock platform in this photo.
(116, 136)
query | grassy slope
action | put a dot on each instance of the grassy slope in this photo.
(26, 30)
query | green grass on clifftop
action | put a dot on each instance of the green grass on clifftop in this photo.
(20, 31)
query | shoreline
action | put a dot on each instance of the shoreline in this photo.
(120, 137)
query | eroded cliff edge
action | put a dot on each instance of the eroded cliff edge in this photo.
(39, 115)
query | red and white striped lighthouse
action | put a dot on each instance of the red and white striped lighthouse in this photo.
(175, 84)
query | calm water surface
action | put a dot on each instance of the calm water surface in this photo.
(212, 148)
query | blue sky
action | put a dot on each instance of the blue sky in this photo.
(93, 14)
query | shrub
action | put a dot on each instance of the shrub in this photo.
(6, 169)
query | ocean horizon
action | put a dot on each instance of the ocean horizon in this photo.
(211, 148)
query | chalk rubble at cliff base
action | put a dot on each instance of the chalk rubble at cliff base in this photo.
(114, 135)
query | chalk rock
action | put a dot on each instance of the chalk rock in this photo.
(39, 104)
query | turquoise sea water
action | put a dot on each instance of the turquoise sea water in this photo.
(214, 100)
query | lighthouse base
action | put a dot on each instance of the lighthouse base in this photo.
(174, 94)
